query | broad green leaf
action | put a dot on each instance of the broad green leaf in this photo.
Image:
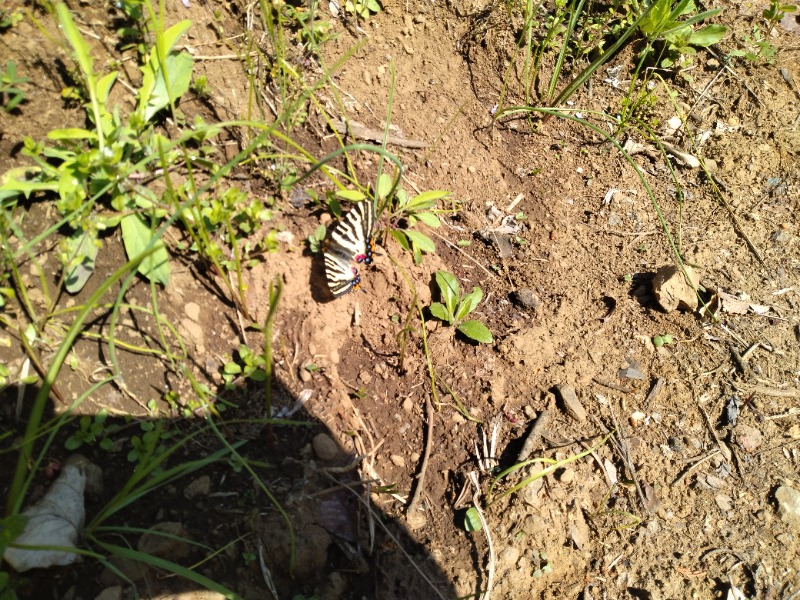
(383, 186)
(656, 19)
(440, 312)
(401, 238)
(469, 303)
(426, 200)
(81, 248)
(401, 197)
(430, 219)
(708, 35)
(103, 88)
(104, 85)
(171, 35)
(475, 330)
(71, 133)
(352, 195)
(416, 253)
(231, 368)
(179, 72)
(448, 285)
(136, 235)
(421, 241)
(472, 522)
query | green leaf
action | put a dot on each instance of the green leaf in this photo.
(73, 443)
(136, 235)
(448, 285)
(440, 312)
(421, 241)
(352, 195)
(430, 219)
(179, 70)
(417, 254)
(71, 133)
(469, 303)
(426, 200)
(655, 21)
(472, 522)
(173, 34)
(401, 238)
(75, 39)
(383, 186)
(708, 35)
(475, 330)
(232, 368)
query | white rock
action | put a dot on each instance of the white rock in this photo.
(54, 521)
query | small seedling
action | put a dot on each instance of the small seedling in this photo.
(756, 46)
(363, 8)
(662, 340)
(315, 239)
(472, 522)
(250, 365)
(90, 431)
(776, 11)
(10, 94)
(455, 308)
(674, 26)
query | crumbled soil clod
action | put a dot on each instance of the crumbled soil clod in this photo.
(671, 289)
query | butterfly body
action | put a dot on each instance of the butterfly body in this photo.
(350, 241)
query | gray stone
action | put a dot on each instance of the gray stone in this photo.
(324, 447)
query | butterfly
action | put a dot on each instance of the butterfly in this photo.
(351, 240)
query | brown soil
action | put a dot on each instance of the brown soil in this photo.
(678, 504)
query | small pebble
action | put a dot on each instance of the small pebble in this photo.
(789, 505)
(724, 502)
(567, 476)
(397, 460)
(324, 447)
(570, 403)
(192, 311)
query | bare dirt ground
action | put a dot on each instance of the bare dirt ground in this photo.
(679, 503)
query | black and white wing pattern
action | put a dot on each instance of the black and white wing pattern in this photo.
(350, 241)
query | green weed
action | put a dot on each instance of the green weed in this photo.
(673, 24)
(756, 46)
(455, 308)
(775, 12)
(99, 167)
(11, 95)
(92, 429)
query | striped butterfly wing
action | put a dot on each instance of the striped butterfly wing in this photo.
(342, 276)
(351, 240)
